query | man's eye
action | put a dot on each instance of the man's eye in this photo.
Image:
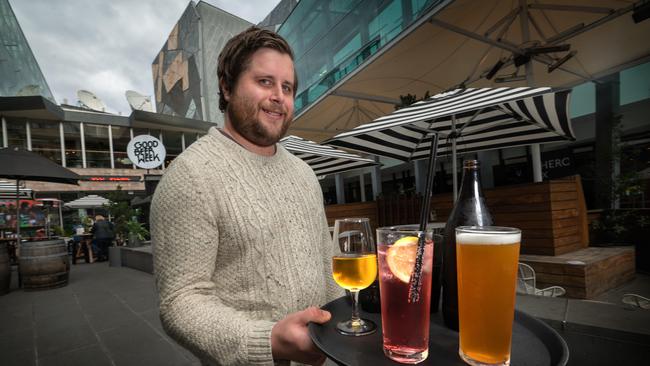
(265, 82)
(287, 88)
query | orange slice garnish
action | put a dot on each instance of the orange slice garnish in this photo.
(401, 257)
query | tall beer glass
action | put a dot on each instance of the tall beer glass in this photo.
(487, 259)
(405, 325)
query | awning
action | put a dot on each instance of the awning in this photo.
(8, 191)
(465, 41)
(91, 201)
(323, 159)
(475, 119)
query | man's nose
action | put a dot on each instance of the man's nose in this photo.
(277, 94)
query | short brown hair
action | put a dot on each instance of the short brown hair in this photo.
(236, 54)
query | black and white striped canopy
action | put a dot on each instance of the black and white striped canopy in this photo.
(477, 119)
(8, 191)
(324, 159)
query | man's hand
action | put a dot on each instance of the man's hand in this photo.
(290, 338)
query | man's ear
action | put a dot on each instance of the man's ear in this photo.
(224, 90)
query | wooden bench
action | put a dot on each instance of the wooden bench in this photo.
(552, 215)
(585, 273)
(359, 209)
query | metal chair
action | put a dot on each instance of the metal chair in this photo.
(526, 283)
(636, 301)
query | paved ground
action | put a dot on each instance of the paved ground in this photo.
(109, 316)
(105, 316)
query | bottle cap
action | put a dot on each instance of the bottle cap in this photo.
(469, 164)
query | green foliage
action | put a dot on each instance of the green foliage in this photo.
(137, 229)
(122, 213)
(618, 226)
(59, 231)
(409, 99)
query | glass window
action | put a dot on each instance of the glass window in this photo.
(17, 133)
(121, 138)
(173, 146)
(330, 39)
(190, 137)
(72, 138)
(98, 153)
(46, 140)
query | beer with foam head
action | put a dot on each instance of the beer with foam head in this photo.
(487, 271)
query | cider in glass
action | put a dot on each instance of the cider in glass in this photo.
(405, 325)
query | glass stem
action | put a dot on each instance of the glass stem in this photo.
(355, 307)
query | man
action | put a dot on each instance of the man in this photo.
(103, 235)
(242, 252)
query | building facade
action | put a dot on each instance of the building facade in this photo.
(185, 69)
(20, 72)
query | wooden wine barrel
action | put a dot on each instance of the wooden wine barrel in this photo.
(5, 269)
(44, 264)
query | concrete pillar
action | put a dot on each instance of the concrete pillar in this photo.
(536, 157)
(420, 167)
(340, 188)
(608, 116)
(375, 176)
(362, 186)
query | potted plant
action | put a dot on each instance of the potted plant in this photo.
(137, 233)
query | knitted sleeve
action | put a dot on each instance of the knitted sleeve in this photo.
(185, 244)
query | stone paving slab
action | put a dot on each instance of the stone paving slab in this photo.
(105, 316)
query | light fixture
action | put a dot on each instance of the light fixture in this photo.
(507, 79)
(495, 69)
(521, 59)
(559, 62)
(548, 49)
(641, 12)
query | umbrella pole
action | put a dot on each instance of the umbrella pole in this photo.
(453, 156)
(17, 217)
(454, 167)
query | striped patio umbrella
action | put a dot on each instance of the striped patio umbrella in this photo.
(466, 120)
(8, 191)
(324, 159)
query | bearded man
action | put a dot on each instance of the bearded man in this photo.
(242, 251)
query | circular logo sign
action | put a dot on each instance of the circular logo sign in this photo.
(146, 152)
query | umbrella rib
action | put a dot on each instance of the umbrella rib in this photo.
(460, 131)
(425, 132)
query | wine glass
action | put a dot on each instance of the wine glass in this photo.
(354, 269)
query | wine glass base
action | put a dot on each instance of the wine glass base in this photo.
(361, 328)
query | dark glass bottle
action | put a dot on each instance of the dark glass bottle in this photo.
(470, 210)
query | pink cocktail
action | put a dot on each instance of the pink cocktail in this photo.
(405, 324)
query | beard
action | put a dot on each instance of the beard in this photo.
(243, 115)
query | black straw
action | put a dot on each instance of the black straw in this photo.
(416, 277)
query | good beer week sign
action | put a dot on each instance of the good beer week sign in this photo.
(146, 152)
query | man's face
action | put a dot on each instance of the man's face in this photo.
(260, 108)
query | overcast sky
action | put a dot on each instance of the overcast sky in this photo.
(107, 46)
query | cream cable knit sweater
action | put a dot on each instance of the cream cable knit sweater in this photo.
(239, 241)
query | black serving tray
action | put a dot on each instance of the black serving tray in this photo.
(533, 343)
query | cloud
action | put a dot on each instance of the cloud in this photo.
(107, 46)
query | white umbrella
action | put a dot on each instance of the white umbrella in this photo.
(88, 202)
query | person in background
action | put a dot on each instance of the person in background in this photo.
(242, 251)
(103, 235)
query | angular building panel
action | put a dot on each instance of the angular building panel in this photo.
(21, 75)
(185, 70)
